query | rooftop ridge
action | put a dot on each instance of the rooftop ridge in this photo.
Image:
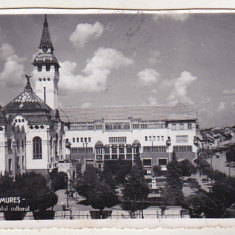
(110, 106)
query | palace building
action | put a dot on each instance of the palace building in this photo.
(40, 136)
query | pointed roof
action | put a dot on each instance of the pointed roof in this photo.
(45, 57)
(46, 38)
(27, 101)
(181, 112)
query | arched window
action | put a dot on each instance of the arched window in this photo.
(37, 148)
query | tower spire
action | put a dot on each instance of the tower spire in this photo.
(46, 38)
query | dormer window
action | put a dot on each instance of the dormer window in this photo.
(39, 68)
(48, 67)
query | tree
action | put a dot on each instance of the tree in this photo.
(172, 193)
(119, 169)
(187, 168)
(157, 171)
(34, 188)
(59, 180)
(135, 190)
(96, 189)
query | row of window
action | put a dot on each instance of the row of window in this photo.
(121, 139)
(48, 68)
(81, 150)
(182, 139)
(182, 149)
(150, 125)
(81, 139)
(44, 79)
(37, 127)
(19, 120)
(115, 157)
(157, 149)
(181, 126)
(115, 150)
(161, 162)
(112, 126)
(154, 138)
(117, 126)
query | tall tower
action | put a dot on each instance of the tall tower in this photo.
(46, 70)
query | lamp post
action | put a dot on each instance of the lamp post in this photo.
(68, 146)
(85, 146)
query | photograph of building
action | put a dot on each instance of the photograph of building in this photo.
(51, 126)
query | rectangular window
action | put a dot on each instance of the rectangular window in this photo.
(114, 157)
(144, 126)
(189, 126)
(106, 150)
(67, 140)
(121, 156)
(85, 140)
(114, 150)
(18, 162)
(90, 127)
(9, 144)
(48, 67)
(81, 139)
(181, 126)
(77, 139)
(89, 162)
(162, 162)
(154, 138)
(150, 138)
(147, 162)
(98, 157)
(129, 150)
(22, 162)
(158, 138)
(128, 156)
(121, 150)
(89, 139)
(106, 157)
(182, 139)
(162, 138)
(99, 127)
(120, 139)
(135, 126)
(146, 138)
(98, 150)
(39, 68)
(10, 165)
(173, 127)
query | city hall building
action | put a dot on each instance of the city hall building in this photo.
(51, 136)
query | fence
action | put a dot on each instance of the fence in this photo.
(156, 213)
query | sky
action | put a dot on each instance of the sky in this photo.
(129, 59)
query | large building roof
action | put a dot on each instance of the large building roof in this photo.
(141, 112)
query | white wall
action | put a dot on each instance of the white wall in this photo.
(51, 86)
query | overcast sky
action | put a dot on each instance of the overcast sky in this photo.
(122, 59)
